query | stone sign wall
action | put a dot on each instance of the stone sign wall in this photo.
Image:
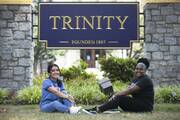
(16, 49)
(162, 42)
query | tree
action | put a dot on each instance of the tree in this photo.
(41, 54)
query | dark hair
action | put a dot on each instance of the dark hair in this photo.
(145, 61)
(49, 71)
(50, 67)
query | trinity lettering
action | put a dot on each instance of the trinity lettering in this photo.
(84, 22)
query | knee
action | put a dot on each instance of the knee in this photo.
(55, 103)
(121, 97)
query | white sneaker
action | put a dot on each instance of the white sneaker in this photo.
(74, 110)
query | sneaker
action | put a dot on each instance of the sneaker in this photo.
(92, 109)
(87, 111)
(112, 111)
(74, 110)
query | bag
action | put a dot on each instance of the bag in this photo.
(106, 87)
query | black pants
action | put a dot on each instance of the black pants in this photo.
(126, 103)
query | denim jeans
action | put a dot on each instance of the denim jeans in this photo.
(61, 105)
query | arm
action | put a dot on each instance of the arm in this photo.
(140, 84)
(63, 89)
(60, 94)
(132, 88)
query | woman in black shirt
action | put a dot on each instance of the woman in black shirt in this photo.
(140, 89)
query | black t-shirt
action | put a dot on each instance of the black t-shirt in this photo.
(146, 92)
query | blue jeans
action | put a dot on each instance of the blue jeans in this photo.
(61, 105)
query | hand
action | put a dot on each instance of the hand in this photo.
(70, 98)
(112, 97)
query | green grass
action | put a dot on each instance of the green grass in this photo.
(31, 112)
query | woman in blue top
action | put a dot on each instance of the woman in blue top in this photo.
(54, 97)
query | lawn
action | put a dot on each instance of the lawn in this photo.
(31, 112)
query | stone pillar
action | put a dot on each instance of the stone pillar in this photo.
(162, 41)
(16, 46)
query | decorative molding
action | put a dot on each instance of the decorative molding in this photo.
(15, 1)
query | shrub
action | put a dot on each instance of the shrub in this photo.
(88, 91)
(118, 68)
(119, 86)
(167, 94)
(85, 91)
(37, 80)
(29, 95)
(3, 95)
(76, 71)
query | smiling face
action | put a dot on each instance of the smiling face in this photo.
(140, 70)
(54, 73)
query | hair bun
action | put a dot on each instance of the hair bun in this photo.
(145, 61)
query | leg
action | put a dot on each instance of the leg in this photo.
(110, 104)
(67, 103)
(126, 103)
(54, 106)
(132, 104)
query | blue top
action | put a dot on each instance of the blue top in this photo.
(47, 96)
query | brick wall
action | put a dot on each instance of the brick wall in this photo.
(16, 50)
(162, 42)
